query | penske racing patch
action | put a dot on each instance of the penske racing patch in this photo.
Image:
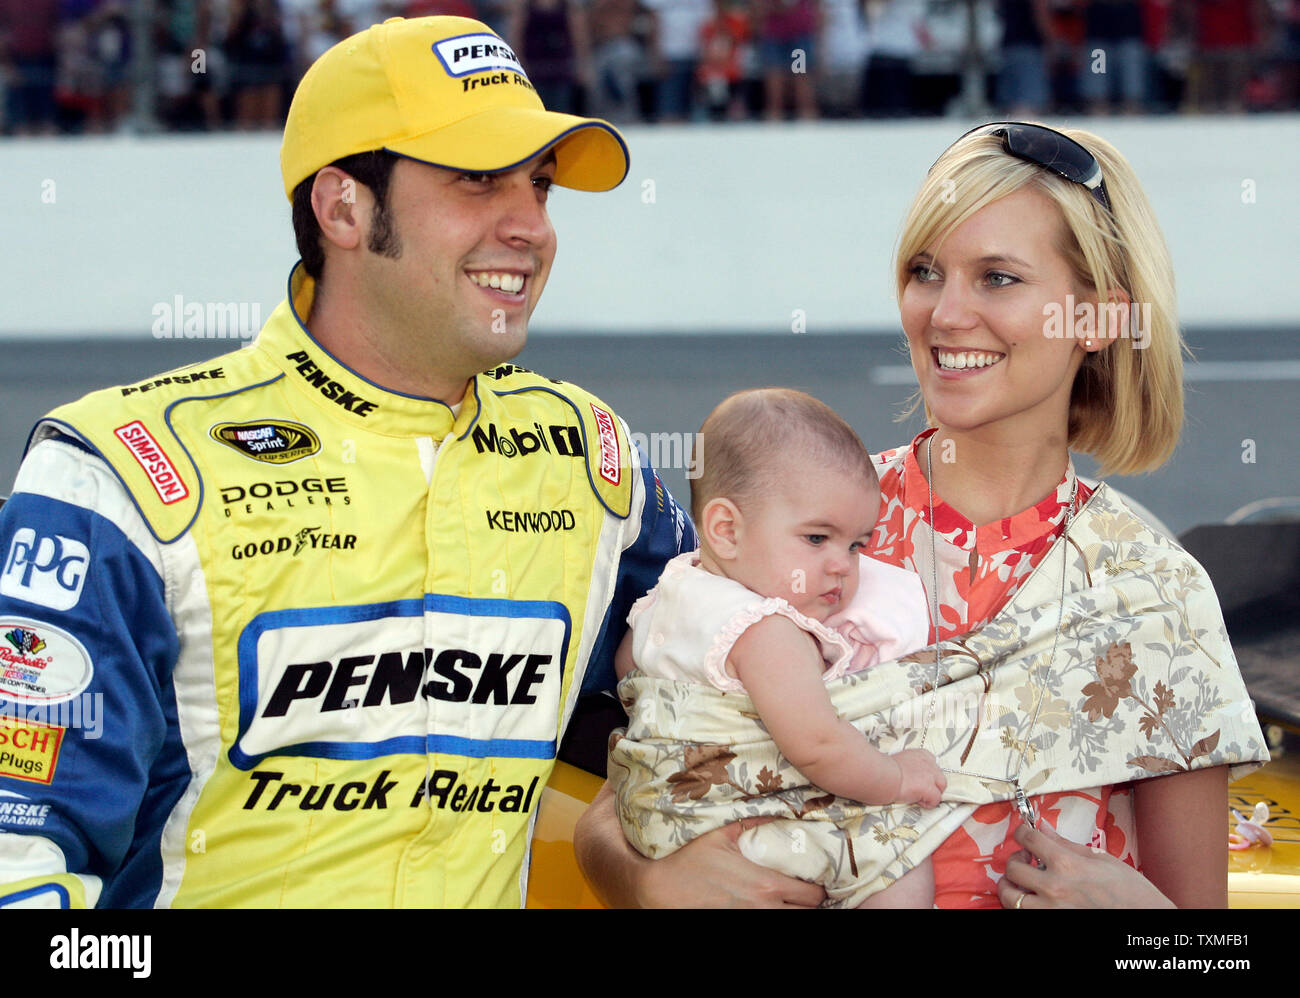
(443, 674)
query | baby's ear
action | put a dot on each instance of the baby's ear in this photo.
(720, 527)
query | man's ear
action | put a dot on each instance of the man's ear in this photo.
(335, 198)
(720, 527)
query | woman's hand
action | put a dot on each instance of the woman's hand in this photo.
(1071, 876)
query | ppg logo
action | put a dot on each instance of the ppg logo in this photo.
(49, 570)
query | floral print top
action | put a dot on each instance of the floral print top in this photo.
(979, 571)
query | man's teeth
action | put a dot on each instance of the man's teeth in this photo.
(511, 283)
(962, 361)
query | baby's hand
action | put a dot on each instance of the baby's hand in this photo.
(922, 779)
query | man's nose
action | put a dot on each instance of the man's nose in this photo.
(524, 219)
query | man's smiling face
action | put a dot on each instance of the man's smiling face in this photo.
(466, 261)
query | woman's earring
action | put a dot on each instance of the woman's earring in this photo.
(1088, 344)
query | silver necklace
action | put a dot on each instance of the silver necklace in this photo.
(1027, 812)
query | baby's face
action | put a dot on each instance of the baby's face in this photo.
(801, 543)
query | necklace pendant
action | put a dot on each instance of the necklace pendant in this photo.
(1027, 813)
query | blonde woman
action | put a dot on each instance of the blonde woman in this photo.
(1036, 294)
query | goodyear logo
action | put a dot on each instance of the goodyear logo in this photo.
(271, 441)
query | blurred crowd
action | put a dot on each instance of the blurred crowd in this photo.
(108, 65)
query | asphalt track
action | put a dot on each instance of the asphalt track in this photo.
(1239, 444)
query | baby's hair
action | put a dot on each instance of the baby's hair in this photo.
(748, 439)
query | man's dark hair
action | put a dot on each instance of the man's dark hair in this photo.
(375, 170)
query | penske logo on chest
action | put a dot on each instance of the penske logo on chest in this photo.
(470, 677)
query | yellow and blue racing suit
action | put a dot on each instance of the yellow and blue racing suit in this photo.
(272, 635)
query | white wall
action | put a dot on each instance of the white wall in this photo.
(726, 228)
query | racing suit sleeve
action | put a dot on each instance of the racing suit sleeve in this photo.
(87, 647)
(666, 531)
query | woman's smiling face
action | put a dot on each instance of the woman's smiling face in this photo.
(975, 311)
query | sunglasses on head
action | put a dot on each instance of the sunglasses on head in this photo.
(1051, 150)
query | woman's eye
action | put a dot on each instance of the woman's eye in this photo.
(816, 539)
(999, 280)
(544, 184)
(477, 178)
(923, 272)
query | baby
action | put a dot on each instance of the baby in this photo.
(785, 500)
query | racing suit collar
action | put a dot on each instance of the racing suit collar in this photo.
(337, 389)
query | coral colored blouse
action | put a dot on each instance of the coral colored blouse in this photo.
(979, 571)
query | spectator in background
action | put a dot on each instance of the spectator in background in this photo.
(724, 50)
(77, 91)
(357, 15)
(320, 28)
(1290, 45)
(1169, 46)
(895, 30)
(110, 40)
(438, 8)
(1227, 37)
(787, 33)
(27, 59)
(621, 34)
(91, 91)
(258, 53)
(552, 40)
(495, 14)
(843, 48)
(676, 54)
(189, 65)
(1114, 63)
(1027, 42)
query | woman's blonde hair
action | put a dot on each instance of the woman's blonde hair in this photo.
(1126, 406)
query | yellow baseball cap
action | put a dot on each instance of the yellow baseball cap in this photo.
(443, 90)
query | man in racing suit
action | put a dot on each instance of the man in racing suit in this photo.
(303, 625)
